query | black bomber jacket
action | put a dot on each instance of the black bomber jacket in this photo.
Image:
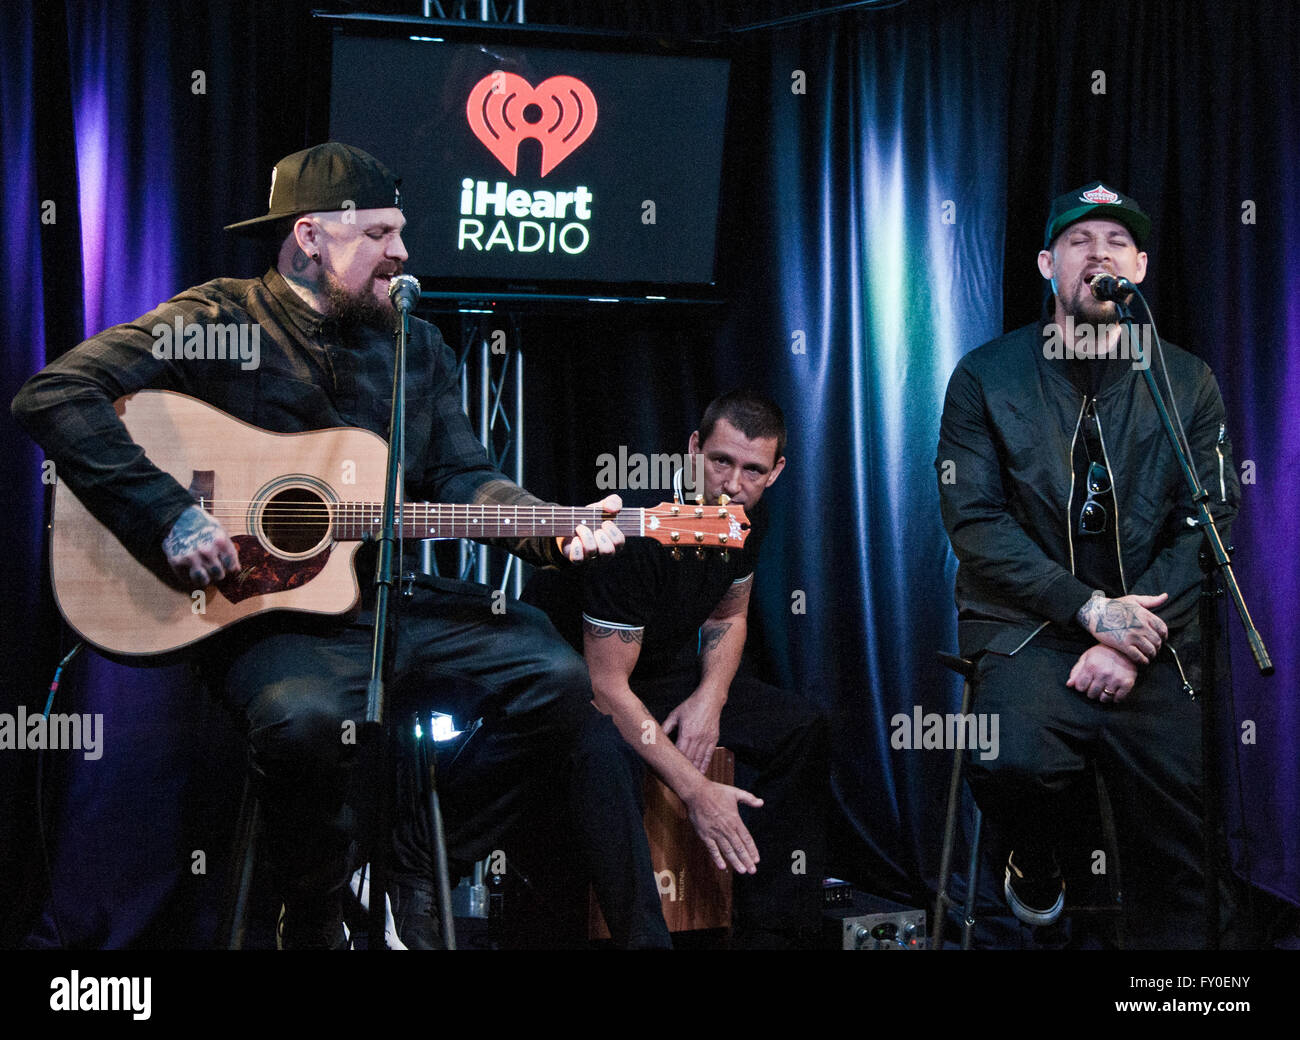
(1007, 487)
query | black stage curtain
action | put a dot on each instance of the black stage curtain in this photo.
(878, 224)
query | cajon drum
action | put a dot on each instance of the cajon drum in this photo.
(694, 893)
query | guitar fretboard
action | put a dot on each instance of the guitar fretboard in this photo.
(354, 521)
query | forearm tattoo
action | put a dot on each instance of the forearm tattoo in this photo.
(627, 635)
(711, 634)
(193, 530)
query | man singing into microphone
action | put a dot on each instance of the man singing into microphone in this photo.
(298, 682)
(1078, 579)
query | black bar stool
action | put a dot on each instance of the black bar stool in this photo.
(965, 667)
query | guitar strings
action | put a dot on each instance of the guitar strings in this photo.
(488, 517)
(449, 512)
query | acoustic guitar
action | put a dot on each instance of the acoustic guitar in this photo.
(298, 506)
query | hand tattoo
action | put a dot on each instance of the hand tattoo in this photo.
(193, 529)
(1117, 617)
(1091, 609)
(1100, 614)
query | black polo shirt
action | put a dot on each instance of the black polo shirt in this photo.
(642, 588)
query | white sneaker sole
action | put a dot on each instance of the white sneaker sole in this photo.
(1027, 915)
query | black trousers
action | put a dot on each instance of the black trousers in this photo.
(782, 749)
(301, 688)
(1149, 750)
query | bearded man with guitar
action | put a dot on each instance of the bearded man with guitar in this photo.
(324, 359)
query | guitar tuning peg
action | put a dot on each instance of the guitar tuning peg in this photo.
(676, 553)
(699, 499)
(699, 554)
(726, 555)
(723, 499)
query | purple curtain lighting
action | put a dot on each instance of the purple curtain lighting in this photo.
(837, 228)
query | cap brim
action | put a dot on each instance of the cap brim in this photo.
(1138, 224)
(258, 225)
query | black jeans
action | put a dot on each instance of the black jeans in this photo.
(301, 687)
(782, 749)
(1148, 748)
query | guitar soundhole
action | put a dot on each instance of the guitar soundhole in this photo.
(295, 521)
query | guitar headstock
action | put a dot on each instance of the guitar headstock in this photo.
(686, 525)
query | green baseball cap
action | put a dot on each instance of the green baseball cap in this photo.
(1096, 200)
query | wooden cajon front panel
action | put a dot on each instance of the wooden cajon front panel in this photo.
(693, 892)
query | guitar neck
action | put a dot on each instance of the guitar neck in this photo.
(354, 521)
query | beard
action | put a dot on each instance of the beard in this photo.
(355, 311)
(1086, 308)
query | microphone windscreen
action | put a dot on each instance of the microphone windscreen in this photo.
(404, 292)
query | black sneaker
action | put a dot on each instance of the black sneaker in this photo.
(415, 912)
(1035, 889)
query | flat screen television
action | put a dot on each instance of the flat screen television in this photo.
(539, 162)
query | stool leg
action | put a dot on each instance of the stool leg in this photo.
(942, 900)
(243, 861)
(1109, 837)
(972, 880)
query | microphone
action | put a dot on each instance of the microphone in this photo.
(1111, 287)
(404, 292)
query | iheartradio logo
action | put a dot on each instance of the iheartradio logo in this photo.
(497, 107)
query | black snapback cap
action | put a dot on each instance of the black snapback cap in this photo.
(328, 177)
(1096, 200)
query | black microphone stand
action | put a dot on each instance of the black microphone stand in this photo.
(403, 291)
(1216, 562)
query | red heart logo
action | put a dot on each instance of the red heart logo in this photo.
(495, 111)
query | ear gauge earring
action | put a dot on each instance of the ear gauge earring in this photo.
(315, 257)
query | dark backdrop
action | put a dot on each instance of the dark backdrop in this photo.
(877, 225)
